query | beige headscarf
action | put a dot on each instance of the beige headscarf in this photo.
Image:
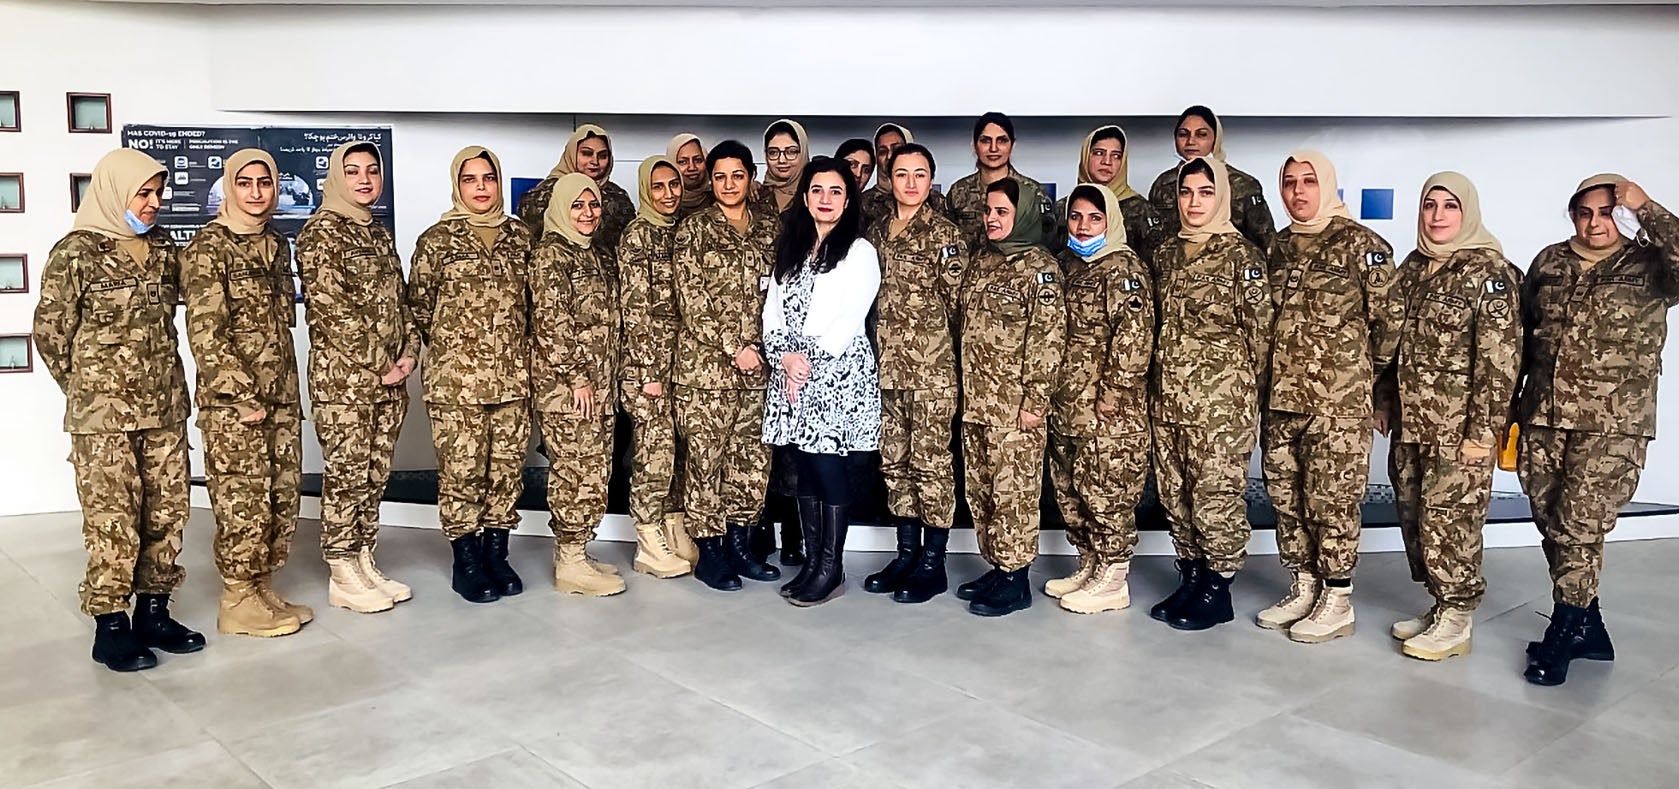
(116, 179)
(336, 197)
(487, 225)
(1329, 198)
(568, 158)
(1472, 235)
(1120, 186)
(1218, 129)
(882, 170)
(645, 207)
(785, 190)
(557, 219)
(1219, 223)
(1594, 256)
(1116, 220)
(696, 197)
(232, 214)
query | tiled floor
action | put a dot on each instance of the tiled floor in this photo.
(671, 685)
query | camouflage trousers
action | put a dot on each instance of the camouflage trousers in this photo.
(579, 468)
(653, 470)
(1098, 484)
(253, 472)
(133, 491)
(1578, 482)
(357, 445)
(480, 464)
(916, 459)
(1005, 483)
(1317, 469)
(728, 463)
(1202, 474)
(1442, 507)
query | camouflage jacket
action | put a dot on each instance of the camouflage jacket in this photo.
(920, 282)
(1459, 350)
(1014, 336)
(240, 313)
(1593, 348)
(575, 328)
(471, 306)
(1335, 323)
(1143, 226)
(683, 212)
(1110, 341)
(721, 277)
(105, 328)
(616, 206)
(359, 324)
(879, 205)
(966, 205)
(1213, 344)
(1248, 210)
(646, 262)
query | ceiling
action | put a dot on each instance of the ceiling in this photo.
(917, 3)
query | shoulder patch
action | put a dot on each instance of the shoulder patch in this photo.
(948, 252)
(1253, 274)
(1496, 285)
(1375, 258)
(1257, 199)
(1131, 284)
(1045, 278)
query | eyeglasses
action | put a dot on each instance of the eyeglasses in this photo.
(788, 154)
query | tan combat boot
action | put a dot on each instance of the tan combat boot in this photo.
(243, 612)
(1061, 587)
(600, 566)
(348, 588)
(653, 556)
(1408, 629)
(1295, 606)
(1448, 636)
(398, 591)
(265, 587)
(574, 575)
(1107, 590)
(676, 536)
(1330, 619)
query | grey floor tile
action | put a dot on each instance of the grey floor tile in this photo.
(24, 536)
(1290, 752)
(207, 764)
(841, 703)
(233, 699)
(47, 670)
(57, 737)
(711, 653)
(647, 603)
(373, 742)
(1594, 755)
(517, 768)
(700, 744)
(550, 695)
(1164, 779)
(34, 614)
(832, 774)
(1650, 713)
(1463, 727)
(991, 747)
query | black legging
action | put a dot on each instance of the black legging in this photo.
(824, 477)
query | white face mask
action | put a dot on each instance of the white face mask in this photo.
(1626, 221)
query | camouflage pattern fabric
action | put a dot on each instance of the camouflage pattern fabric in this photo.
(1098, 484)
(1442, 507)
(240, 316)
(358, 441)
(966, 206)
(1143, 226)
(253, 473)
(133, 491)
(579, 464)
(1013, 334)
(1214, 340)
(359, 323)
(922, 269)
(471, 307)
(480, 464)
(727, 463)
(1004, 481)
(1578, 482)
(575, 326)
(1316, 470)
(1202, 474)
(915, 455)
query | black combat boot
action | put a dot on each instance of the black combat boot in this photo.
(1189, 578)
(1011, 592)
(743, 560)
(502, 578)
(810, 531)
(1593, 644)
(1549, 664)
(978, 586)
(828, 555)
(891, 577)
(926, 580)
(714, 568)
(1206, 605)
(469, 579)
(156, 629)
(117, 647)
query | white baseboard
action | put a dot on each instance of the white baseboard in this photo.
(619, 528)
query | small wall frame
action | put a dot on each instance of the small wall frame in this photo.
(11, 193)
(14, 272)
(11, 114)
(17, 353)
(78, 189)
(88, 113)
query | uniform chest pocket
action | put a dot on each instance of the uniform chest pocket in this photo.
(1002, 303)
(1086, 301)
(108, 309)
(364, 263)
(589, 289)
(463, 265)
(254, 297)
(1212, 300)
(1446, 313)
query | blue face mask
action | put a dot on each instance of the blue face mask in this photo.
(134, 223)
(1087, 248)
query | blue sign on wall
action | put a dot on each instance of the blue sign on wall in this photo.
(1376, 204)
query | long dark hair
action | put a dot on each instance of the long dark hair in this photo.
(798, 227)
(1003, 122)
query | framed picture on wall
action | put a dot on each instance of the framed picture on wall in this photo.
(17, 353)
(14, 272)
(11, 193)
(78, 189)
(89, 113)
(11, 118)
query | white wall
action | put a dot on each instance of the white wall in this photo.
(181, 65)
